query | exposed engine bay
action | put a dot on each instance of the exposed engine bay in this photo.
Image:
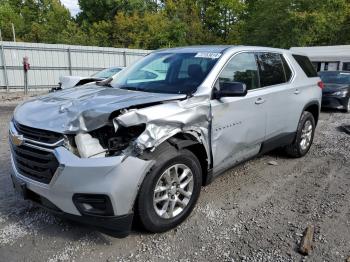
(105, 141)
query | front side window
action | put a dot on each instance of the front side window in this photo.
(173, 73)
(270, 69)
(241, 68)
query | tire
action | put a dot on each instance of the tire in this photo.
(347, 107)
(150, 213)
(297, 149)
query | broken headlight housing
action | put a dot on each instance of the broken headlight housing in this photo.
(103, 142)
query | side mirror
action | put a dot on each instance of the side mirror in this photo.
(231, 89)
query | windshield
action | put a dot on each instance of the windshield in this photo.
(175, 73)
(107, 73)
(335, 77)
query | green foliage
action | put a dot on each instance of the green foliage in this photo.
(287, 23)
(8, 16)
(97, 10)
(47, 20)
(153, 24)
(222, 18)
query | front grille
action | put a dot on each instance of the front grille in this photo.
(38, 135)
(33, 163)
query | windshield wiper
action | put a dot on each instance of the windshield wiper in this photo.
(106, 82)
(133, 88)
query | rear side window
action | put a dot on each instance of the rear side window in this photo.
(306, 65)
(270, 69)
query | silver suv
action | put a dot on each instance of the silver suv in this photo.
(145, 143)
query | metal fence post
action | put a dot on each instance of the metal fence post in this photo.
(69, 61)
(26, 67)
(4, 64)
(124, 58)
(25, 82)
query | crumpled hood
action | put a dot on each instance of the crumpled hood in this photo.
(83, 108)
(72, 81)
(69, 81)
(331, 88)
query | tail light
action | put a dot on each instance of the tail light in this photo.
(320, 84)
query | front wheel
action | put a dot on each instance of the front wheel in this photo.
(170, 191)
(304, 136)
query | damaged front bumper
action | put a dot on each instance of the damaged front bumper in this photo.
(118, 178)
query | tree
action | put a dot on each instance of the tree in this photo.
(222, 18)
(343, 32)
(185, 24)
(95, 11)
(8, 15)
(101, 33)
(74, 35)
(287, 23)
(45, 20)
(153, 24)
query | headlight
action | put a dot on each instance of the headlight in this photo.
(340, 93)
(89, 146)
(105, 141)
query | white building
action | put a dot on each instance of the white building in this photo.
(327, 58)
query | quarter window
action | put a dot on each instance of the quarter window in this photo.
(306, 65)
(287, 70)
(270, 69)
(241, 68)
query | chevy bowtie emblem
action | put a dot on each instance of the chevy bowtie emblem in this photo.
(17, 139)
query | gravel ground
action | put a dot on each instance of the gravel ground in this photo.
(254, 212)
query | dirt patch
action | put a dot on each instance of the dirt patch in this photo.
(257, 211)
(13, 98)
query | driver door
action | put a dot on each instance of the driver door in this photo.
(238, 123)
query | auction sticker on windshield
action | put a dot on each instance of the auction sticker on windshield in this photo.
(208, 55)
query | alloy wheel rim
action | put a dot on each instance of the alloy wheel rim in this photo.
(173, 191)
(306, 135)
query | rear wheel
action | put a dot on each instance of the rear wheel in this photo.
(170, 191)
(347, 107)
(304, 136)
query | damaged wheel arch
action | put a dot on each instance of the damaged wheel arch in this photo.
(187, 141)
(173, 182)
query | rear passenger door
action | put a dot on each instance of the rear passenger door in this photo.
(275, 75)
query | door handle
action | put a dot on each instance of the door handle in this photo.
(260, 101)
(297, 92)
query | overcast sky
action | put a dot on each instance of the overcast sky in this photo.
(72, 5)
